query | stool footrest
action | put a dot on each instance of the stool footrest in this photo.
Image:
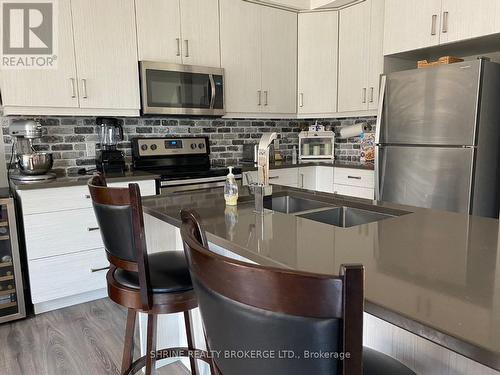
(175, 352)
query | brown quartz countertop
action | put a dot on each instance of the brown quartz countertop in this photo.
(82, 180)
(433, 273)
(325, 163)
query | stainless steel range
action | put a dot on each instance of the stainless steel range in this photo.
(183, 163)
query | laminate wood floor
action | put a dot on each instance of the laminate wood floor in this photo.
(86, 339)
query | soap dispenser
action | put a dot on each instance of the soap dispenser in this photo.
(231, 189)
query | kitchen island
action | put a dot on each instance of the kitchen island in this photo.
(432, 278)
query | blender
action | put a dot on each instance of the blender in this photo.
(109, 159)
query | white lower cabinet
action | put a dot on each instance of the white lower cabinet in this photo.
(353, 191)
(67, 275)
(57, 233)
(357, 183)
(307, 178)
(324, 179)
(351, 182)
(285, 177)
(66, 257)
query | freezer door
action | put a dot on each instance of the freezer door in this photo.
(433, 106)
(430, 177)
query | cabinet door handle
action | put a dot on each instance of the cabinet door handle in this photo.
(94, 270)
(84, 88)
(372, 93)
(92, 229)
(433, 24)
(302, 180)
(445, 22)
(73, 87)
(87, 196)
(266, 94)
(354, 177)
(187, 47)
(259, 93)
(178, 40)
(364, 94)
(301, 99)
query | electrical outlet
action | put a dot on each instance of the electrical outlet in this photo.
(90, 150)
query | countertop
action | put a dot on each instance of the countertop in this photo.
(313, 163)
(435, 274)
(82, 180)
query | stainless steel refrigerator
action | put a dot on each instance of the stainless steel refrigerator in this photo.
(438, 138)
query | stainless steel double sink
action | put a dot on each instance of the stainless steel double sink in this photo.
(339, 216)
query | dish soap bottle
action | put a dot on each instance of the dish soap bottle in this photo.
(231, 189)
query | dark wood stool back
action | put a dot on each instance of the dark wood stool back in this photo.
(248, 307)
(131, 283)
(120, 218)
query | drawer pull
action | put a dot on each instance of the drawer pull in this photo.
(87, 196)
(274, 177)
(354, 177)
(92, 229)
(94, 270)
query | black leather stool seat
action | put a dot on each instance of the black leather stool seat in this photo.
(168, 271)
(376, 363)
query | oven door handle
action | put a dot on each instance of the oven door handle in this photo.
(213, 91)
(196, 181)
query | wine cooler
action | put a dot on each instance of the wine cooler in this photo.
(12, 304)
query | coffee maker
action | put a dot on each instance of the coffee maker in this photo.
(109, 159)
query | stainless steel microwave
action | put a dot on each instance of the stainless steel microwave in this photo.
(174, 89)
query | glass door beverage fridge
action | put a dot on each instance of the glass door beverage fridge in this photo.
(12, 304)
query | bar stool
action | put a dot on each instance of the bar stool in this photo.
(154, 284)
(289, 322)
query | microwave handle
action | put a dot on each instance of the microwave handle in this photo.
(213, 92)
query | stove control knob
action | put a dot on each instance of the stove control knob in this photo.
(144, 147)
(193, 146)
(201, 145)
(154, 147)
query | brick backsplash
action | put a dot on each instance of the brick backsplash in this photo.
(67, 137)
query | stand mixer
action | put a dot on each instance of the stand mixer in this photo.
(32, 166)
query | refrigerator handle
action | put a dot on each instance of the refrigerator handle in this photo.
(377, 172)
(383, 83)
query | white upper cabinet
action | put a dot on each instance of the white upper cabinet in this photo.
(200, 32)
(45, 88)
(159, 30)
(411, 25)
(182, 32)
(258, 54)
(317, 62)
(354, 57)
(465, 19)
(376, 46)
(97, 72)
(106, 54)
(241, 55)
(361, 59)
(279, 60)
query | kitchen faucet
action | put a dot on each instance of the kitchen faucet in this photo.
(262, 187)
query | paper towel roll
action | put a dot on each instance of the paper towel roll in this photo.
(352, 131)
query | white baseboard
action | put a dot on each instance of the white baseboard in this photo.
(70, 301)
